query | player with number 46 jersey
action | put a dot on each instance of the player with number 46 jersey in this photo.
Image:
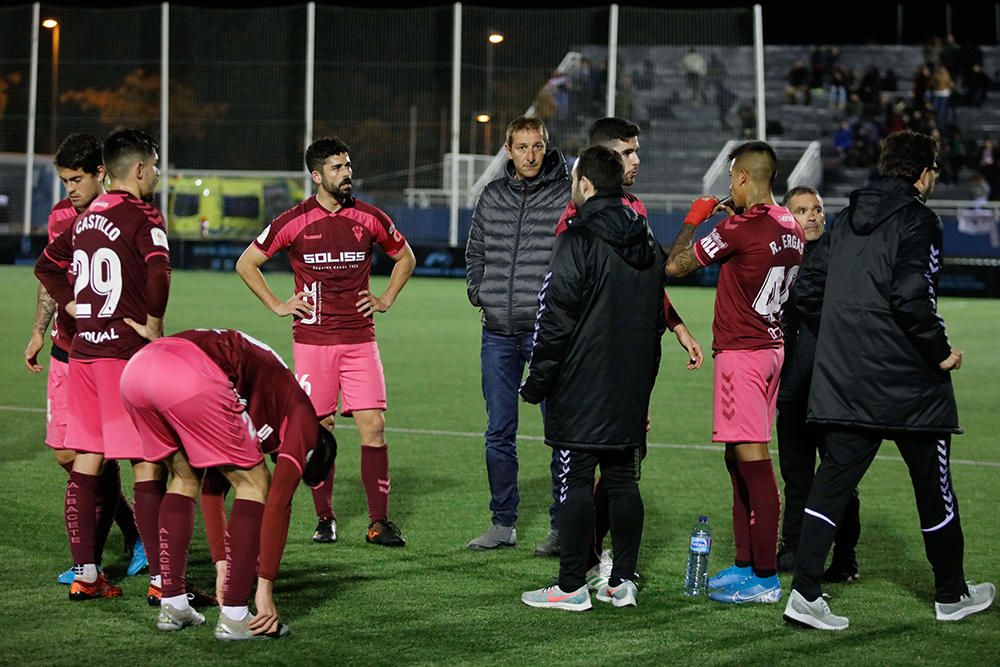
(120, 264)
(759, 252)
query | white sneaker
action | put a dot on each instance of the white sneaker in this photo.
(815, 614)
(554, 597)
(597, 576)
(229, 630)
(171, 620)
(980, 597)
(622, 595)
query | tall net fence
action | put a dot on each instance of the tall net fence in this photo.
(240, 109)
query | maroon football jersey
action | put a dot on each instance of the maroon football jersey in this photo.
(759, 252)
(108, 247)
(331, 258)
(61, 217)
(279, 409)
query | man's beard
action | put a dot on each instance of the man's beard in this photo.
(341, 194)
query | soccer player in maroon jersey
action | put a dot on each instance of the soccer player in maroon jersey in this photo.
(622, 136)
(759, 251)
(330, 238)
(121, 266)
(80, 166)
(230, 397)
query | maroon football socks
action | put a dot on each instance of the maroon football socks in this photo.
(375, 478)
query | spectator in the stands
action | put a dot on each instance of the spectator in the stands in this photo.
(977, 83)
(838, 89)
(941, 89)
(932, 51)
(797, 91)
(695, 70)
(921, 84)
(888, 83)
(842, 139)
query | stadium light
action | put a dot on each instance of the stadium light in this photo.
(482, 118)
(53, 25)
(495, 37)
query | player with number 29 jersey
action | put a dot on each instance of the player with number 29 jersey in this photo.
(109, 246)
(759, 252)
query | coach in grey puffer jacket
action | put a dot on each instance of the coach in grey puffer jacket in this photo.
(510, 242)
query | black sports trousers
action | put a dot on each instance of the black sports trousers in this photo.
(798, 443)
(576, 515)
(849, 453)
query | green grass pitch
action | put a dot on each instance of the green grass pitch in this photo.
(435, 602)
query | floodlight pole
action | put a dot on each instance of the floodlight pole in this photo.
(165, 113)
(758, 47)
(29, 166)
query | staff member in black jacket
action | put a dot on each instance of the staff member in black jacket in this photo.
(510, 242)
(883, 370)
(594, 361)
(797, 440)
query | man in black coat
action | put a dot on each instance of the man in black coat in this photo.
(594, 361)
(883, 370)
(799, 441)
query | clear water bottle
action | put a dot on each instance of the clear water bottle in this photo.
(696, 579)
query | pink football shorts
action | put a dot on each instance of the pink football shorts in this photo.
(353, 370)
(56, 408)
(98, 422)
(179, 398)
(745, 384)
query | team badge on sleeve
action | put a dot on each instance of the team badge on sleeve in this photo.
(159, 238)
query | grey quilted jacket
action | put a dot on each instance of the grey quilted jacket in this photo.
(510, 241)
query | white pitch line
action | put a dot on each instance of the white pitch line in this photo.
(538, 438)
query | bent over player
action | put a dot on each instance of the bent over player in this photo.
(330, 238)
(121, 262)
(230, 396)
(80, 165)
(759, 251)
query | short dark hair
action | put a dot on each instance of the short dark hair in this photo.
(769, 169)
(123, 148)
(603, 167)
(796, 191)
(606, 130)
(321, 149)
(526, 123)
(906, 154)
(80, 151)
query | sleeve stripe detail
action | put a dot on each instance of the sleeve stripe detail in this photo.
(61, 265)
(157, 253)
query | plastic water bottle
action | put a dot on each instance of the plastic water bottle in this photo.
(696, 579)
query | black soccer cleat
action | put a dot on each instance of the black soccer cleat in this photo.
(326, 531)
(384, 533)
(842, 572)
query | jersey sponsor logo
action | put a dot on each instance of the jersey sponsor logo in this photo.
(712, 244)
(98, 337)
(343, 257)
(787, 241)
(359, 231)
(98, 222)
(263, 235)
(159, 238)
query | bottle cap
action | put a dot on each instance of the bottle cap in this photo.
(702, 519)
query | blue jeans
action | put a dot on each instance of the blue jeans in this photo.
(503, 361)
